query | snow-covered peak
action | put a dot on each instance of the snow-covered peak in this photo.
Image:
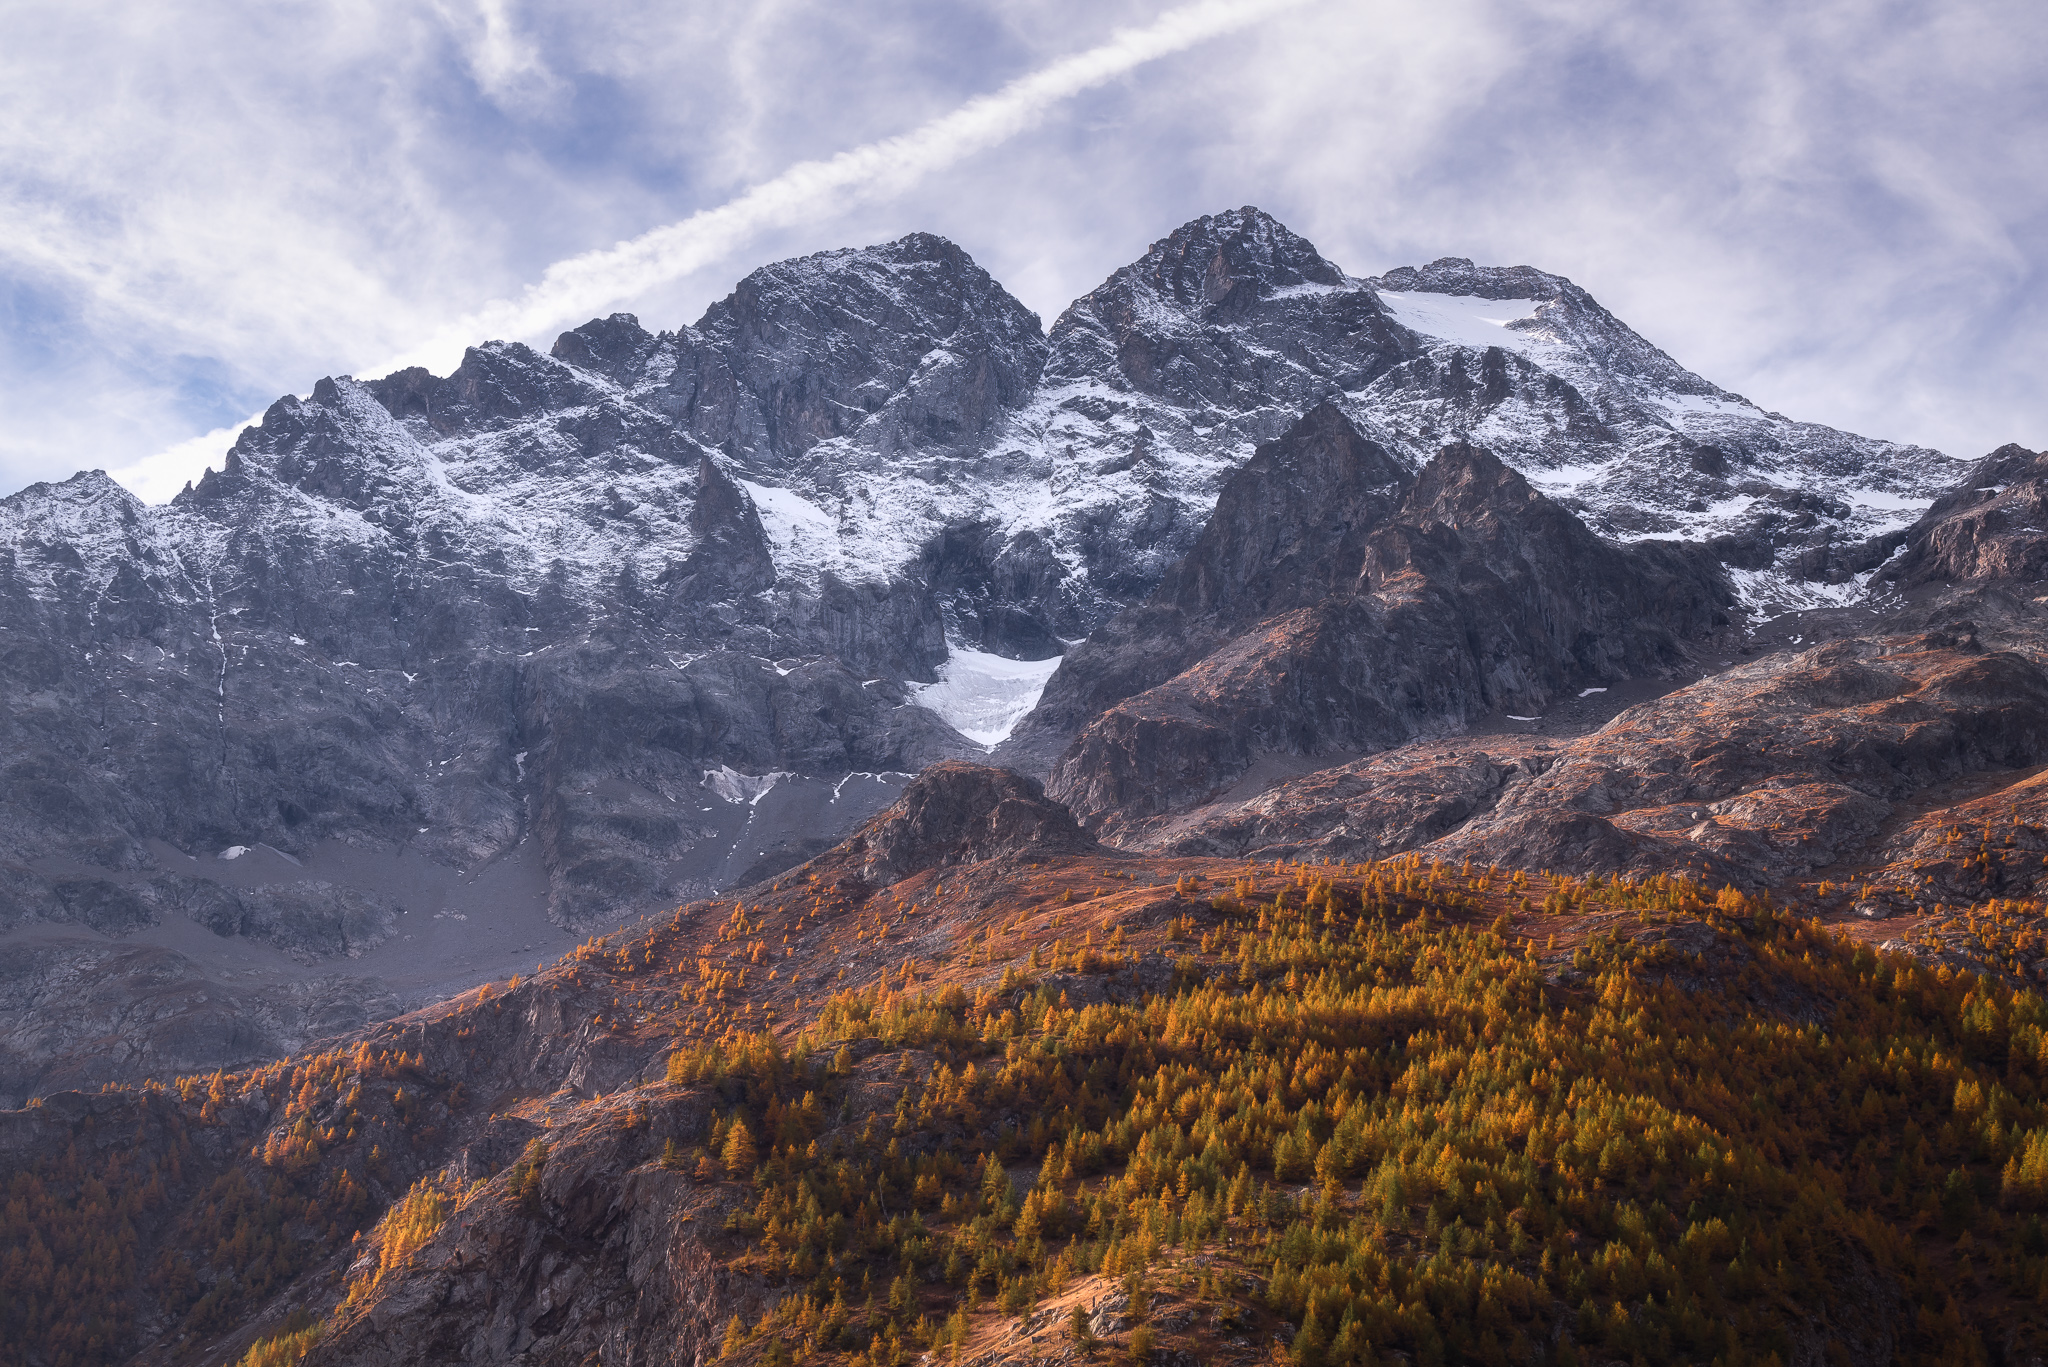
(920, 278)
(1456, 275)
(1532, 366)
(90, 496)
(1550, 308)
(616, 347)
(515, 460)
(891, 424)
(1203, 262)
(86, 526)
(1213, 269)
(904, 347)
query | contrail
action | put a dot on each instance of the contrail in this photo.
(581, 287)
(571, 291)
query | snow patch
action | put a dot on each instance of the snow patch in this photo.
(1705, 406)
(1563, 480)
(1730, 507)
(789, 517)
(1468, 319)
(1768, 592)
(1887, 501)
(234, 852)
(875, 525)
(734, 786)
(884, 776)
(984, 696)
(1308, 288)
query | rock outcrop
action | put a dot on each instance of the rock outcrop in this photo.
(1992, 528)
(958, 813)
(1767, 772)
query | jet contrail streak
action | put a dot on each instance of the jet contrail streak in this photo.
(570, 291)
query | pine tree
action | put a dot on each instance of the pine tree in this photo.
(740, 1153)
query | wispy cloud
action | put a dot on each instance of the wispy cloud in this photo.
(573, 290)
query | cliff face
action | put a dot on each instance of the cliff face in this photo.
(959, 813)
(1988, 529)
(1765, 773)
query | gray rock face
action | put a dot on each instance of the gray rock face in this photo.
(963, 814)
(909, 347)
(600, 1268)
(1766, 772)
(1531, 366)
(1203, 322)
(1989, 529)
(440, 608)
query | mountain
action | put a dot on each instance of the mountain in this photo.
(435, 674)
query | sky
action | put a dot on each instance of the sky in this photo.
(1838, 210)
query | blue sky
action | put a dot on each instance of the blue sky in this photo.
(1839, 210)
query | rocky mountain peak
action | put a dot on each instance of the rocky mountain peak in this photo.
(616, 347)
(1465, 482)
(1281, 521)
(86, 525)
(1208, 261)
(917, 287)
(961, 813)
(88, 489)
(1218, 266)
(1336, 602)
(1471, 518)
(905, 345)
(1197, 321)
(1548, 320)
(1457, 275)
(1988, 529)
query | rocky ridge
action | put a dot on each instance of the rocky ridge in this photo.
(1896, 765)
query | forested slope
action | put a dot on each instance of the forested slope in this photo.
(965, 1076)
